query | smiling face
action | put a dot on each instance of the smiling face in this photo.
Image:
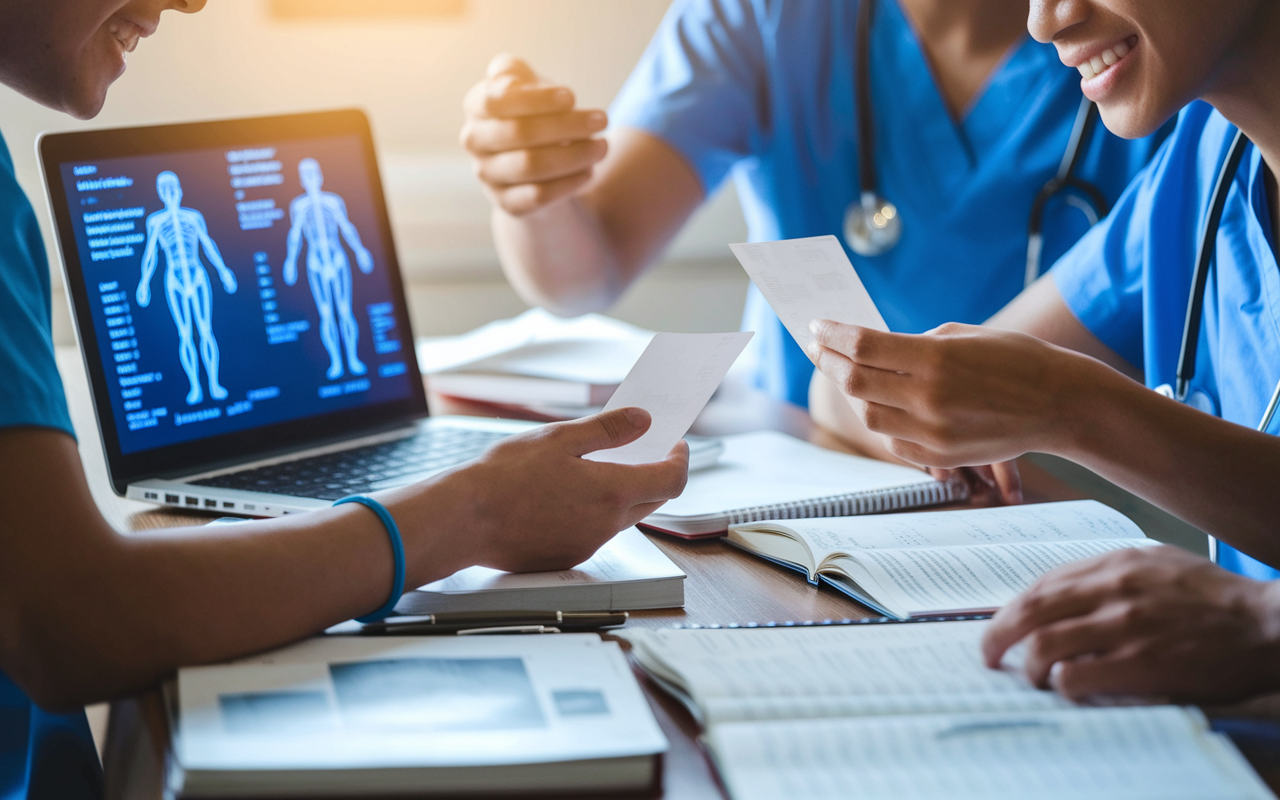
(65, 54)
(1142, 60)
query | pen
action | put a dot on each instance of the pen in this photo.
(494, 622)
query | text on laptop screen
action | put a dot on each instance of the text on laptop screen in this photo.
(235, 288)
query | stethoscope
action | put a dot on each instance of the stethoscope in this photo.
(872, 224)
(1195, 304)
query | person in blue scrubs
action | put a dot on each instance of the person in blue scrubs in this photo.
(1155, 621)
(971, 119)
(88, 614)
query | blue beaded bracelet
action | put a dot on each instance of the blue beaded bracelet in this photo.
(397, 549)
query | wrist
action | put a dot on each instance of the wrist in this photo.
(1263, 604)
(1089, 401)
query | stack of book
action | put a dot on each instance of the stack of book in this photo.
(536, 365)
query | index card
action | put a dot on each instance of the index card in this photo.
(674, 378)
(809, 279)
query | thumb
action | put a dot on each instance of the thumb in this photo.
(605, 431)
(505, 64)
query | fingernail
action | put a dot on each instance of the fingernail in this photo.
(563, 96)
(597, 120)
(636, 416)
(815, 327)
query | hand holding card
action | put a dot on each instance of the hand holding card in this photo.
(674, 378)
(806, 280)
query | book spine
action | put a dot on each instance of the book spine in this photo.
(894, 498)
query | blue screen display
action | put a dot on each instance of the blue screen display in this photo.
(232, 289)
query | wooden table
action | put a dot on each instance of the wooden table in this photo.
(724, 585)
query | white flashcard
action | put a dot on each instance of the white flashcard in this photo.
(674, 378)
(809, 279)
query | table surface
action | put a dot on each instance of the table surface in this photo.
(724, 585)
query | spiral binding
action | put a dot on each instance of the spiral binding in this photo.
(878, 501)
(826, 623)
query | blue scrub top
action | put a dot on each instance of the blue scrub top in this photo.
(1128, 280)
(764, 90)
(42, 755)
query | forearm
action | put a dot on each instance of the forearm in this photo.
(1213, 474)
(558, 257)
(118, 612)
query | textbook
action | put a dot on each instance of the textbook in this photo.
(628, 573)
(768, 475)
(940, 562)
(907, 711)
(443, 715)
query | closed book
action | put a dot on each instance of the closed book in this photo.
(350, 716)
(768, 475)
(629, 573)
(521, 389)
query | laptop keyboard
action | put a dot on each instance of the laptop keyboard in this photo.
(363, 469)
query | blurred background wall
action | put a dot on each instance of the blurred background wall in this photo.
(409, 69)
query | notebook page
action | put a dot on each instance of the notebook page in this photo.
(1041, 522)
(820, 672)
(768, 467)
(1092, 754)
(923, 581)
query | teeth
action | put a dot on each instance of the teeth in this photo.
(1103, 61)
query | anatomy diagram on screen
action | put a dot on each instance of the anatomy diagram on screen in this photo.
(181, 233)
(321, 219)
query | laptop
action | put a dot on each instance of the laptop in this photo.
(241, 314)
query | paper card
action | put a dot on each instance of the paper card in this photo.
(674, 378)
(808, 279)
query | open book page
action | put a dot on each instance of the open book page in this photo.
(790, 673)
(948, 580)
(1041, 522)
(1163, 752)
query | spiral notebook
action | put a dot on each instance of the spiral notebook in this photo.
(768, 475)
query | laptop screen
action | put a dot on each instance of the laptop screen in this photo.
(233, 287)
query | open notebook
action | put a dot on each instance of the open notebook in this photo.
(910, 711)
(940, 562)
(768, 475)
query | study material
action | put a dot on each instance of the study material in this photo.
(809, 279)
(910, 711)
(768, 475)
(940, 562)
(357, 715)
(628, 573)
(673, 380)
(468, 623)
(536, 359)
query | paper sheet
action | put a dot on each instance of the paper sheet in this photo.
(674, 378)
(808, 279)
(1163, 752)
(794, 673)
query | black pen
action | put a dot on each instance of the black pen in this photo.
(471, 622)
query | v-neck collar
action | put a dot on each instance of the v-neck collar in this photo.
(905, 87)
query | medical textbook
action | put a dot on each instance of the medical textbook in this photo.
(443, 715)
(909, 712)
(940, 563)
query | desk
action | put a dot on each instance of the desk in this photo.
(724, 585)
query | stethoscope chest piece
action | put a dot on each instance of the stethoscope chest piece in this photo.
(872, 227)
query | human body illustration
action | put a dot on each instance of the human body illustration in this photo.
(181, 233)
(321, 219)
